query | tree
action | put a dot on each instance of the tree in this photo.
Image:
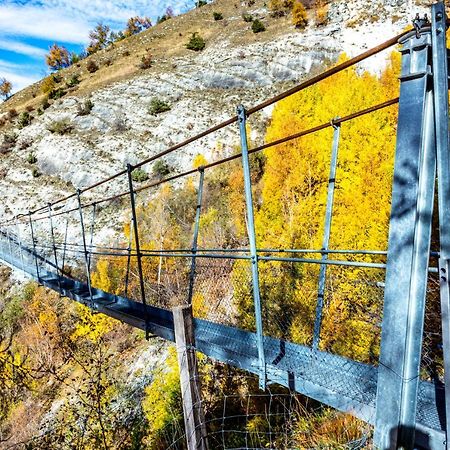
(58, 57)
(137, 24)
(293, 199)
(280, 8)
(100, 38)
(5, 88)
(299, 15)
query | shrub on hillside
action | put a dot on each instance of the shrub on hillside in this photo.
(25, 143)
(24, 120)
(74, 80)
(9, 141)
(55, 94)
(299, 15)
(258, 26)
(196, 43)
(12, 113)
(85, 108)
(158, 106)
(45, 104)
(280, 8)
(247, 17)
(139, 175)
(201, 3)
(35, 172)
(146, 61)
(91, 66)
(120, 124)
(31, 158)
(47, 85)
(322, 16)
(161, 169)
(61, 127)
(217, 16)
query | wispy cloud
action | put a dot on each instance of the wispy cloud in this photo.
(69, 21)
(22, 48)
(41, 22)
(20, 75)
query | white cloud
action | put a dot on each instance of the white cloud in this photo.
(69, 21)
(43, 23)
(20, 75)
(21, 48)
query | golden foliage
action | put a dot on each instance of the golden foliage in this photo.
(48, 84)
(5, 87)
(199, 161)
(294, 190)
(162, 402)
(58, 57)
(299, 15)
(91, 326)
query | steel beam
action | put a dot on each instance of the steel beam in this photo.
(326, 235)
(242, 120)
(440, 85)
(86, 253)
(195, 236)
(408, 251)
(136, 237)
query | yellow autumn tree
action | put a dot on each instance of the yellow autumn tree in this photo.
(58, 57)
(5, 88)
(299, 15)
(294, 190)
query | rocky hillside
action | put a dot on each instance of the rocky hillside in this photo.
(202, 88)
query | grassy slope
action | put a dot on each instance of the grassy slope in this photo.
(165, 41)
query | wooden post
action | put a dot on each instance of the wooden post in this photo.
(194, 420)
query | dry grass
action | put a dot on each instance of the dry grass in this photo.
(165, 41)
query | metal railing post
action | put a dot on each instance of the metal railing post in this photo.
(34, 246)
(408, 250)
(242, 119)
(138, 247)
(326, 235)
(20, 244)
(130, 243)
(91, 241)
(195, 237)
(9, 243)
(65, 244)
(55, 255)
(440, 85)
(86, 253)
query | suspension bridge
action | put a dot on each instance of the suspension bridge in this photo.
(407, 408)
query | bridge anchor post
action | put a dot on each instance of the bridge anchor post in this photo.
(408, 250)
(194, 421)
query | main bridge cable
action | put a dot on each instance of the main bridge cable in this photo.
(320, 77)
(315, 129)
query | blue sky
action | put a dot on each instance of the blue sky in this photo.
(28, 28)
